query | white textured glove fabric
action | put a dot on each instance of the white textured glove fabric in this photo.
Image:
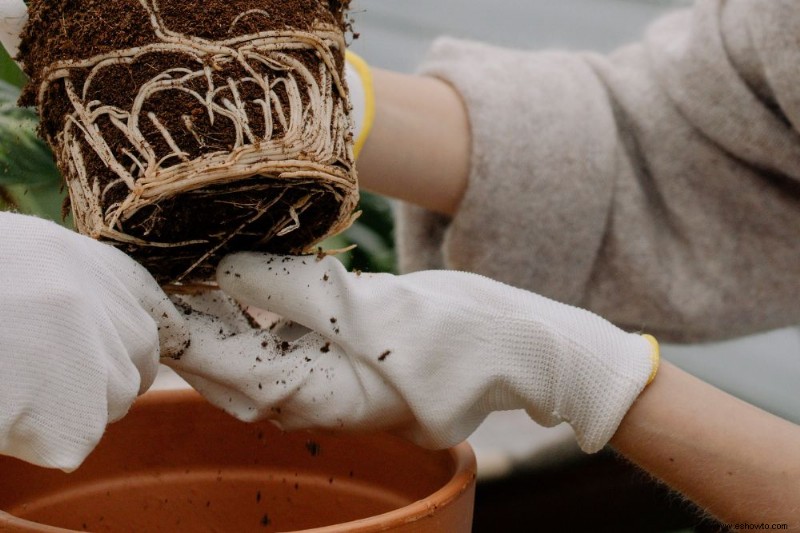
(79, 339)
(428, 354)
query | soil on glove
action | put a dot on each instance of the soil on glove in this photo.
(171, 105)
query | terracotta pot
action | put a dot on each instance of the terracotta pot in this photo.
(177, 464)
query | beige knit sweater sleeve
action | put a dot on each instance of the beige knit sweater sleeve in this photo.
(658, 186)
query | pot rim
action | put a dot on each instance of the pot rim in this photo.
(464, 475)
(465, 466)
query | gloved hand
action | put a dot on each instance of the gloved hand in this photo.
(428, 355)
(80, 325)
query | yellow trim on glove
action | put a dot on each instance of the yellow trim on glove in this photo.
(369, 99)
(655, 357)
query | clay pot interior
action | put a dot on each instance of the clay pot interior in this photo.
(175, 463)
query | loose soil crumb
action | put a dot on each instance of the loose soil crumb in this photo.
(313, 448)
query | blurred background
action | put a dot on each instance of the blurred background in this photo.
(531, 478)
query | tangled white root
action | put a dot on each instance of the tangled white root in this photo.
(313, 125)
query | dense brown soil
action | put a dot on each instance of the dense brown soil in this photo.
(223, 216)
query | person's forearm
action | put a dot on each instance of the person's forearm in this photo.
(419, 147)
(739, 463)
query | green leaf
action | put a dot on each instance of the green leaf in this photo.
(28, 175)
(9, 71)
(25, 159)
(372, 234)
(43, 200)
(374, 252)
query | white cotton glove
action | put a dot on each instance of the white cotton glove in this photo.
(80, 324)
(13, 15)
(428, 355)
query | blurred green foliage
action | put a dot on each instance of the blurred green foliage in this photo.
(9, 71)
(373, 235)
(30, 183)
(29, 180)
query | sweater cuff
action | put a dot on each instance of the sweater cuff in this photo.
(540, 185)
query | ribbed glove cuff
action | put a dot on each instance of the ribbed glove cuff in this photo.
(362, 98)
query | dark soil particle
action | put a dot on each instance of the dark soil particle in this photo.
(265, 521)
(313, 448)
